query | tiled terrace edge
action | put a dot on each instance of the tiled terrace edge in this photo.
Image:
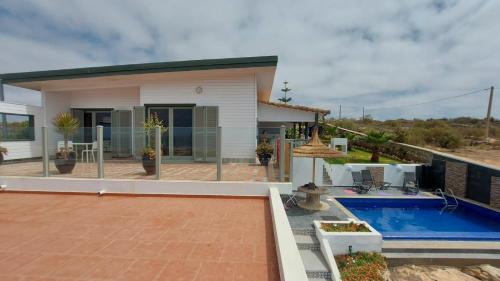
(289, 260)
(126, 186)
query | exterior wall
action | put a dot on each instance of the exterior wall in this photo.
(269, 113)
(234, 95)
(456, 178)
(23, 149)
(116, 98)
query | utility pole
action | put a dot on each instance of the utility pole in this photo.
(340, 111)
(488, 115)
(363, 114)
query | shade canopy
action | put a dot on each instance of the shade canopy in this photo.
(316, 149)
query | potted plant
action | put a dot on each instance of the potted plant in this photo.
(264, 151)
(65, 158)
(149, 153)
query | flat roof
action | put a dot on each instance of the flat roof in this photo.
(142, 68)
(85, 237)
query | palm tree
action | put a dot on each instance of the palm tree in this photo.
(66, 125)
(376, 140)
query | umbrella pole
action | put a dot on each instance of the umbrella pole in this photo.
(314, 170)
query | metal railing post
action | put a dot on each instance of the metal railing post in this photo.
(100, 153)
(45, 151)
(290, 176)
(282, 153)
(219, 153)
(158, 151)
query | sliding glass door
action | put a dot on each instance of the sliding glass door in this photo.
(177, 141)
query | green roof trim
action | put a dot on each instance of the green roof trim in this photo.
(127, 69)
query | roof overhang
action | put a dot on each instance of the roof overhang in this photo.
(263, 68)
(298, 107)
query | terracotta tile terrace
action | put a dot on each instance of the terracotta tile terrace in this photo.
(125, 169)
(85, 237)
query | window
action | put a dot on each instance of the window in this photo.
(16, 127)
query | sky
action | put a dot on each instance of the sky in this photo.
(385, 55)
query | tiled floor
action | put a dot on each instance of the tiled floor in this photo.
(127, 169)
(84, 237)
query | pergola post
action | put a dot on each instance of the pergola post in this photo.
(282, 153)
(45, 152)
(100, 153)
(158, 151)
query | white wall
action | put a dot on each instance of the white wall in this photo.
(236, 97)
(302, 171)
(116, 98)
(23, 149)
(269, 113)
(341, 174)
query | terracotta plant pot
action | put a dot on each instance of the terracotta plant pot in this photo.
(264, 158)
(149, 166)
(66, 166)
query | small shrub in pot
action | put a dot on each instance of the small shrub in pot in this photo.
(264, 152)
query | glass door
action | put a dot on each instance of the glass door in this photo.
(183, 132)
(177, 141)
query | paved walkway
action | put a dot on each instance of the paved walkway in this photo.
(127, 169)
(84, 237)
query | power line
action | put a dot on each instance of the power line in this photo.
(427, 102)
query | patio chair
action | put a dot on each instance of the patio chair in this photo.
(358, 185)
(368, 179)
(60, 145)
(410, 184)
(91, 151)
(291, 200)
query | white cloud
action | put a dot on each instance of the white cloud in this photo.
(358, 53)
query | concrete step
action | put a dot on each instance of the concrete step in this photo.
(315, 264)
(304, 231)
(440, 250)
(326, 178)
(319, 279)
(307, 242)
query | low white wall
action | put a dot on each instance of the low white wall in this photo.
(53, 184)
(302, 171)
(290, 262)
(23, 149)
(341, 174)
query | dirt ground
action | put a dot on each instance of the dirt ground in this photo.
(487, 156)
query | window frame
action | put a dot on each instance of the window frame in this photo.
(5, 129)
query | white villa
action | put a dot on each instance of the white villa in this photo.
(191, 97)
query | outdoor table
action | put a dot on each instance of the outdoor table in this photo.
(83, 144)
(313, 197)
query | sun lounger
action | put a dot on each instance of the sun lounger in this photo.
(358, 185)
(369, 179)
(410, 184)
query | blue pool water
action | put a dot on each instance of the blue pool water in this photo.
(423, 219)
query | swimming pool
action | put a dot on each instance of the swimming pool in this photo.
(424, 219)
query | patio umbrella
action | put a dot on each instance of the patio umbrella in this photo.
(316, 149)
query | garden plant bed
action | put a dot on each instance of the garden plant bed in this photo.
(343, 227)
(361, 266)
(343, 242)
